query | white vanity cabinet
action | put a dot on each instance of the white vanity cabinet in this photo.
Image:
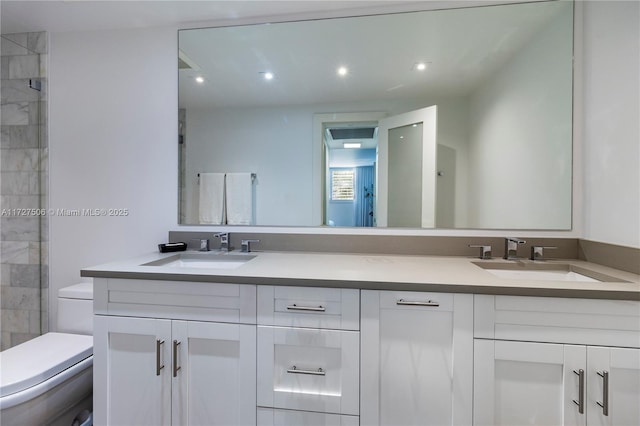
(417, 365)
(308, 356)
(159, 360)
(544, 361)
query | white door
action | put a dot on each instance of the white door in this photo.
(523, 383)
(416, 358)
(213, 373)
(613, 386)
(406, 190)
(132, 384)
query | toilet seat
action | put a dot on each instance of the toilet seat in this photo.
(41, 362)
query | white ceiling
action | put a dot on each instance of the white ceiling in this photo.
(84, 15)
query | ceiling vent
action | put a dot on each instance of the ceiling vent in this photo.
(351, 133)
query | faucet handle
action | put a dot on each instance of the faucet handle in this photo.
(204, 243)
(246, 245)
(485, 251)
(537, 252)
(224, 240)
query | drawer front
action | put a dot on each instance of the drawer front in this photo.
(313, 307)
(234, 303)
(275, 417)
(558, 320)
(309, 369)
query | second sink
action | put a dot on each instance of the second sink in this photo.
(213, 260)
(543, 272)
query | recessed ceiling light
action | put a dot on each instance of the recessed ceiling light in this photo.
(267, 75)
(420, 66)
(200, 79)
(351, 145)
(343, 71)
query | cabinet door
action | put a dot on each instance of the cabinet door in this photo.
(613, 386)
(308, 369)
(214, 373)
(528, 383)
(132, 385)
(417, 365)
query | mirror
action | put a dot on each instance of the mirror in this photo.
(308, 123)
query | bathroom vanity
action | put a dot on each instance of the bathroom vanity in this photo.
(277, 338)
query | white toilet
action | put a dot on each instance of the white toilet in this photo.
(48, 380)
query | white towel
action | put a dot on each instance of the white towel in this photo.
(239, 197)
(212, 198)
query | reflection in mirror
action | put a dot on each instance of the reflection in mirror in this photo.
(316, 110)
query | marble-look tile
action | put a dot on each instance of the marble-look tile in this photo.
(37, 113)
(19, 338)
(18, 91)
(25, 66)
(34, 183)
(4, 67)
(43, 163)
(19, 229)
(5, 340)
(37, 42)
(14, 183)
(11, 202)
(5, 275)
(15, 113)
(43, 135)
(34, 322)
(20, 160)
(20, 298)
(25, 276)
(44, 70)
(15, 252)
(14, 44)
(15, 320)
(34, 252)
(20, 136)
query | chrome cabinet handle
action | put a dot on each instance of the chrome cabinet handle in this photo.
(159, 366)
(580, 401)
(175, 358)
(417, 303)
(295, 307)
(295, 370)
(605, 392)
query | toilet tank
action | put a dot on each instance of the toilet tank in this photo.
(75, 309)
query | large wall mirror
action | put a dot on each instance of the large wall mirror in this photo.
(458, 118)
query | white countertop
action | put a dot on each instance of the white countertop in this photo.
(379, 272)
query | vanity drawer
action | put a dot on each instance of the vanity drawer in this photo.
(275, 417)
(558, 320)
(308, 369)
(313, 307)
(233, 303)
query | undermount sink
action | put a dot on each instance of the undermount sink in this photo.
(209, 260)
(518, 270)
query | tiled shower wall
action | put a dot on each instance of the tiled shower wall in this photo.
(23, 189)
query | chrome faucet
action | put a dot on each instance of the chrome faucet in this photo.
(224, 240)
(511, 247)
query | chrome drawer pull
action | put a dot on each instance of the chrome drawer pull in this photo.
(295, 307)
(159, 366)
(605, 392)
(580, 401)
(417, 303)
(318, 372)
